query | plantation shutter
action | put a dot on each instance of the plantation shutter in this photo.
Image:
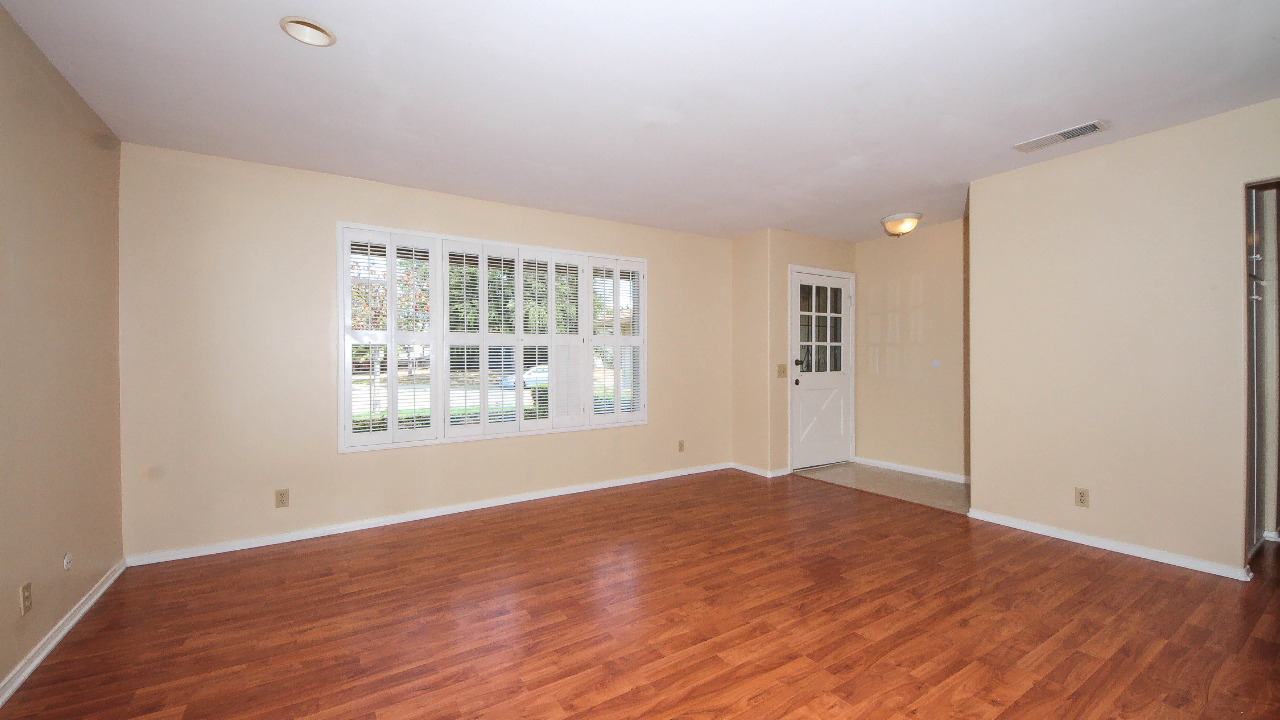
(604, 341)
(464, 316)
(367, 338)
(413, 283)
(569, 352)
(499, 322)
(632, 390)
(538, 366)
(451, 339)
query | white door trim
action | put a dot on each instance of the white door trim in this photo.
(850, 359)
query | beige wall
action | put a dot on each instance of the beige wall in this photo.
(910, 316)
(760, 282)
(59, 432)
(752, 377)
(913, 415)
(228, 333)
(788, 248)
(1108, 335)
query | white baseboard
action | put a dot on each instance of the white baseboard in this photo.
(19, 674)
(759, 471)
(1271, 535)
(1183, 561)
(315, 532)
(937, 474)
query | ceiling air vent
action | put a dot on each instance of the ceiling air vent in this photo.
(1063, 136)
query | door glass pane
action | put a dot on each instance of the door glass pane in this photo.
(820, 357)
(835, 358)
(602, 301)
(821, 334)
(806, 328)
(464, 384)
(835, 301)
(413, 289)
(566, 299)
(535, 369)
(535, 297)
(464, 292)
(835, 329)
(806, 298)
(502, 382)
(502, 295)
(602, 380)
(368, 286)
(368, 388)
(806, 358)
(821, 301)
(413, 386)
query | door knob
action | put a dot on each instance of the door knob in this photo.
(799, 363)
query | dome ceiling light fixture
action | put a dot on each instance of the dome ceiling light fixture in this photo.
(900, 224)
(307, 32)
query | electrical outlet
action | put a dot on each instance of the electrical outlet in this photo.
(282, 498)
(66, 561)
(680, 446)
(1082, 497)
(25, 595)
(782, 370)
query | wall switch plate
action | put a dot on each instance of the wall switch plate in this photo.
(66, 561)
(680, 446)
(782, 370)
(1082, 497)
(25, 596)
(282, 498)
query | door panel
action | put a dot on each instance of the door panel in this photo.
(1264, 362)
(820, 376)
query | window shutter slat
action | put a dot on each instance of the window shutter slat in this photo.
(413, 289)
(570, 381)
(464, 385)
(464, 292)
(501, 386)
(502, 295)
(602, 301)
(368, 274)
(629, 379)
(566, 282)
(536, 310)
(413, 387)
(369, 388)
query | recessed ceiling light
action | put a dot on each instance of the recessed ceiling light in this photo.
(307, 31)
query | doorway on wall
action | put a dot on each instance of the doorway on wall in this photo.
(1262, 217)
(821, 370)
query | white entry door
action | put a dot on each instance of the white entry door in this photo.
(821, 370)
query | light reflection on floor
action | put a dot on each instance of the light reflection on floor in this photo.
(941, 494)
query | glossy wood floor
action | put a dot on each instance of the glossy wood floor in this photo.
(712, 596)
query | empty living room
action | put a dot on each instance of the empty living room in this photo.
(587, 360)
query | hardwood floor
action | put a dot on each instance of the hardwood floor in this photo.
(718, 595)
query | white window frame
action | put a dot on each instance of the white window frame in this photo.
(561, 347)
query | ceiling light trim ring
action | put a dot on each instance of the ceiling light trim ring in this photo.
(307, 31)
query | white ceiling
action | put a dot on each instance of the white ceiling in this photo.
(712, 116)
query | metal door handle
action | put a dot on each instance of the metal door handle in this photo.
(799, 363)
